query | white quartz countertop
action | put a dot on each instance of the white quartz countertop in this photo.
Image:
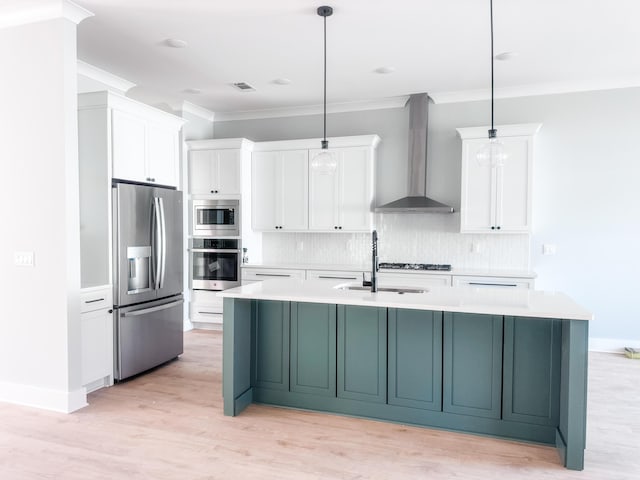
(493, 301)
(367, 268)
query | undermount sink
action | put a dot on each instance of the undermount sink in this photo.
(399, 290)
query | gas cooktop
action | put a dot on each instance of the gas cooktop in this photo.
(415, 266)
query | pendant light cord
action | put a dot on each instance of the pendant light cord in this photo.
(324, 144)
(491, 13)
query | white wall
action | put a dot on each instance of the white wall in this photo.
(586, 171)
(40, 323)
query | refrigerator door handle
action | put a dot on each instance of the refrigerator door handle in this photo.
(163, 251)
(144, 311)
(156, 244)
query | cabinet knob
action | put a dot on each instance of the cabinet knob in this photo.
(152, 179)
(493, 228)
(110, 310)
(498, 227)
(339, 228)
(335, 227)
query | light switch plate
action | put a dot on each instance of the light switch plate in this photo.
(23, 259)
(548, 249)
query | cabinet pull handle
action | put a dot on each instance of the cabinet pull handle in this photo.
(337, 278)
(94, 301)
(208, 313)
(272, 275)
(494, 284)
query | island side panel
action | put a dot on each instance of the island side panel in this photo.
(236, 355)
(571, 437)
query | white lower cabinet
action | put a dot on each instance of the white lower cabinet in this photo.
(250, 275)
(335, 276)
(492, 282)
(413, 280)
(205, 308)
(96, 320)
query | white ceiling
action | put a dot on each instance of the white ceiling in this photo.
(440, 47)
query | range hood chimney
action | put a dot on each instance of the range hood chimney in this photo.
(417, 201)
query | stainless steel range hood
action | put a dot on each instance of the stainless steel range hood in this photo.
(417, 201)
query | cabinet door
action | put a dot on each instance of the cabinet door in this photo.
(355, 194)
(128, 147)
(313, 348)
(294, 201)
(477, 207)
(226, 179)
(162, 155)
(97, 345)
(201, 164)
(513, 192)
(415, 359)
(472, 364)
(323, 196)
(271, 345)
(362, 353)
(532, 348)
(264, 191)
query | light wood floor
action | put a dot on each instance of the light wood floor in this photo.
(169, 425)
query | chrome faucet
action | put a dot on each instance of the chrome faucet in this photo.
(374, 261)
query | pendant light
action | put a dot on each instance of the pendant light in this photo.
(492, 153)
(324, 161)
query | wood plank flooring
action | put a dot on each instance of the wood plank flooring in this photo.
(169, 424)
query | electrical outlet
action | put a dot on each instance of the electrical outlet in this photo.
(548, 249)
(23, 259)
(475, 247)
(299, 246)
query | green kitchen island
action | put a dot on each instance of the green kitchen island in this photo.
(510, 363)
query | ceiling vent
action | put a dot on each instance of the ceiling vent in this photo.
(244, 87)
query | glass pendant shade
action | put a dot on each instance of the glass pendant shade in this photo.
(324, 162)
(491, 154)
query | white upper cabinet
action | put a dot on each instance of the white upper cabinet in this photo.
(497, 198)
(279, 190)
(144, 140)
(341, 199)
(216, 166)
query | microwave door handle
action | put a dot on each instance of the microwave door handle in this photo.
(163, 251)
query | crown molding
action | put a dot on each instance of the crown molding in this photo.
(221, 144)
(383, 103)
(16, 13)
(197, 110)
(103, 77)
(536, 90)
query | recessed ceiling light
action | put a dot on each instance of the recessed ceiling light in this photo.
(504, 56)
(175, 43)
(193, 91)
(385, 70)
(282, 81)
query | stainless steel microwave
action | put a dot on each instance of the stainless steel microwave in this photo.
(215, 218)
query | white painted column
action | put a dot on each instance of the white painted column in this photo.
(40, 351)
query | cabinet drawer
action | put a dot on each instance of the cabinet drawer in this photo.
(205, 313)
(413, 280)
(337, 276)
(260, 274)
(95, 298)
(492, 282)
(206, 297)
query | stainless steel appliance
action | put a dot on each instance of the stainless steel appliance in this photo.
(148, 272)
(415, 266)
(215, 218)
(215, 263)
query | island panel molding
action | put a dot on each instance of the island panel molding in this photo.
(513, 396)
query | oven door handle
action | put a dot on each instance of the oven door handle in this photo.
(213, 250)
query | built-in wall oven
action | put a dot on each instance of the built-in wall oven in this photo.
(215, 263)
(215, 218)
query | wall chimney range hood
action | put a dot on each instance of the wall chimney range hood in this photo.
(417, 201)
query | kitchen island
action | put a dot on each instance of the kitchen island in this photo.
(507, 363)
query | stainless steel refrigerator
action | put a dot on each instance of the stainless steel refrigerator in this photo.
(147, 262)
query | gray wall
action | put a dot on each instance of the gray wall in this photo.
(586, 173)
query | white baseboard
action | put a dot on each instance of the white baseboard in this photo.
(611, 345)
(47, 399)
(207, 326)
